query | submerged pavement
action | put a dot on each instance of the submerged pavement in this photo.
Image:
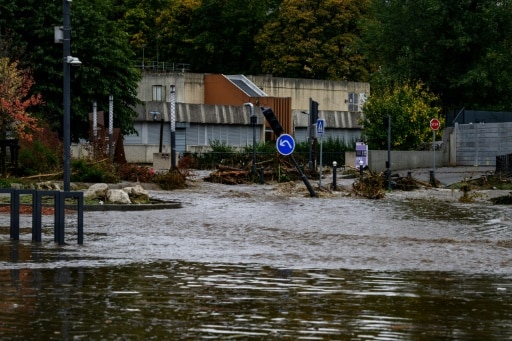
(449, 175)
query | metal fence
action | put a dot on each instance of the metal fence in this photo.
(504, 165)
(210, 160)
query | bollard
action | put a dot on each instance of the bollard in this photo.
(334, 164)
(432, 179)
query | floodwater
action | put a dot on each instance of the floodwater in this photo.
(248, 262)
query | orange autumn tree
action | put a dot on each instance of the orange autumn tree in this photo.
(15, 99)
(15, 85)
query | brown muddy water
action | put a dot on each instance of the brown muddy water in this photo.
(250, 263)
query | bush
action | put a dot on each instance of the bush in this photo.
(131, 172)
(4, 183)
(173, 179)
(81, 171)
(41, 155)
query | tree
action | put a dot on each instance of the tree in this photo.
(215, 35)
(139, 19)
(460, 49)
(209, 35)
(315, 39)
(411, 107)
(107, 64)
(15, 121)
(15, 99)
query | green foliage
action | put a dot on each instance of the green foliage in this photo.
(81, 171)
(411, 107)
(210, 35)
(96, 39)
(42, 155)
(460, 49)
(333, 149)
(315, 39)
(4, 183)
(262, 148)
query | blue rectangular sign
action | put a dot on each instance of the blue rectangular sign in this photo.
(320, 126)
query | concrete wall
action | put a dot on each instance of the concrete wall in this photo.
(189, 86)
(400, 159)
(133, 153)
(331, 95)
(478, 144)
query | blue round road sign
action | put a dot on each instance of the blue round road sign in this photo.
(285, 144)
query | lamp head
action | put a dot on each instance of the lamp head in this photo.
(155, 115)
(73, 61)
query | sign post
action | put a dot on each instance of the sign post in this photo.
(434, 125)
(320, 130)
(285, 144)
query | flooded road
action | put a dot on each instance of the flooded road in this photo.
(250, 262)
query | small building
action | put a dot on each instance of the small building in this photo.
(210, 107)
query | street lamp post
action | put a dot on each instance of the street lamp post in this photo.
(254, 120)
(67, 83)
(67, 61)
(172, 121)
(111, 127)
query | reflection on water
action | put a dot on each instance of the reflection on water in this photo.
(184, 300)
(282, 269)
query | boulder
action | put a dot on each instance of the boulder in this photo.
(47, 185)
(118, 196)
(137, 194)
(96, 191)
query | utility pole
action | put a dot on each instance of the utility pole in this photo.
(172, 121)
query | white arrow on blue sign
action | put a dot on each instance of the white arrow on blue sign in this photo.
(320, 126)
(285, 144)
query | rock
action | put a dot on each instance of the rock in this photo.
(96, 191)
(118, 196)
(16, 185)
(137, 194)
(47, 185)
(128, 195)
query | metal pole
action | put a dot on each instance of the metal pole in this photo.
(254, 120)
(161, 135)
(434, 157)
(95, 120)
(110, 126)
(320, 167)
(388, 164)
(334, 167)
(67, 96)
(312, 192)
(310, 136)
(94, 129)
(173, 127)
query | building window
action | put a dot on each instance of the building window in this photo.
(158, 93)
(356, 101)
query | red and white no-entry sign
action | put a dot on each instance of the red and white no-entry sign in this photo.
(435, 124)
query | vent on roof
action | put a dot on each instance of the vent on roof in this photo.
(246, 86)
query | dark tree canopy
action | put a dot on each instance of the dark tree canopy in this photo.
(315, 39)
(461, 49)
(27, 34)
